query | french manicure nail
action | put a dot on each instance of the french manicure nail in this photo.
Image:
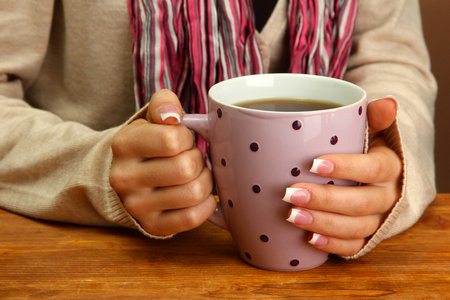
(317, 239)
(299, 217)
(322, 166)
(297, 196)
(169, 111)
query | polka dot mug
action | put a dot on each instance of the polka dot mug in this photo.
(257, 154)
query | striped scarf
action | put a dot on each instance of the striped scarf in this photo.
(189, 45)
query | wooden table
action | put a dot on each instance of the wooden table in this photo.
(51, 260)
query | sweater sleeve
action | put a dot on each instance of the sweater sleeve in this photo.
(389, 57)
(49, 168)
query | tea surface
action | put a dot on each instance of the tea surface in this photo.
(287, 104)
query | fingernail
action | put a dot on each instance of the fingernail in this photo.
(321, 166)
(169, 111)
(297, 196)
(397, 103)
(317, 239)
(299, 217)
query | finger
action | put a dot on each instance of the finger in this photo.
(335, 225)
(347, 200)
(335, 245)
(142, 139)
(131, 175)
(179, 220)
(169, 171)
(380, 164)
(164, 108)
(381, 114)
(143, 203)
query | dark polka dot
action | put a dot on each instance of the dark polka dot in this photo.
(224, 162)
(334, 140)
(248, 255)
(256, 188)
(330, 182)
(230, 203)
(295, 172)
(264, 238)
(219, 113)
(294, 262)
(254, 147)
(297, 125)
(360, 110)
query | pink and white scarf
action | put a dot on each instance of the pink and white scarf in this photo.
(189, 45)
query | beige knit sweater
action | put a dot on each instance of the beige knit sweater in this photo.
(66, 87)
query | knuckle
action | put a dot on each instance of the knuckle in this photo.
(188, 166)
(151, 225)
(197, 191)
(132, 206)
(119, 144)
(172, 140)
(119, 179)
(122, 141)
(191, 219)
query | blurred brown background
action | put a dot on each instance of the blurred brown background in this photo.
(436, 26)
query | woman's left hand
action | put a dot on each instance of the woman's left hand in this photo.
(341, 218)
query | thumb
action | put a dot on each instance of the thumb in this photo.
(164, 108)
(381, 114)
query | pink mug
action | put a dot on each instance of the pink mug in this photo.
(257, 154)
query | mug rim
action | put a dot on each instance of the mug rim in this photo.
(362, 98)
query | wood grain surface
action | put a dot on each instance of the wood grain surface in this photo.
(51, 260)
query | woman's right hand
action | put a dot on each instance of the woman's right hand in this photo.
(159, 173)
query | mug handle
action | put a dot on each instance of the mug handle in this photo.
(199, 123)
